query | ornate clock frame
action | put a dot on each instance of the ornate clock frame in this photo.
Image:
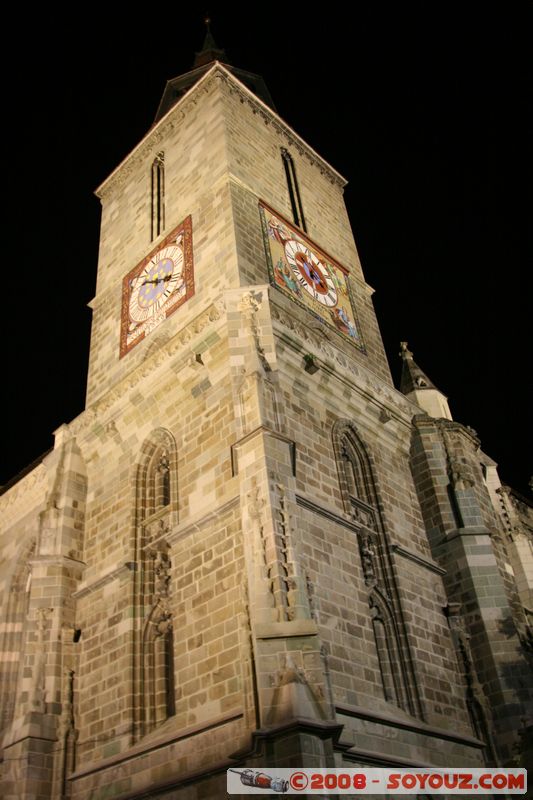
(157, 286)
(308, 275)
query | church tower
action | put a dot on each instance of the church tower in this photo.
(244, 552)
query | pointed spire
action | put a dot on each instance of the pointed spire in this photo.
(416, 385)
(210, 51)
(203, 62)
(412, 376)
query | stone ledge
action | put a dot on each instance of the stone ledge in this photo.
(141, 749)
(112, 575)
(471, 530)
(265, 431)
(418, 559)
(375, 759)
(34, 725)
(279, 630)
(326, 729)
(410, 725)
(332, 515)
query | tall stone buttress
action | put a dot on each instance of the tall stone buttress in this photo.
(249, 550)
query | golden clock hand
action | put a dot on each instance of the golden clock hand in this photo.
(157, 280)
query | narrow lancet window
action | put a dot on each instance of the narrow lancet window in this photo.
(294, 190)
(158, 195)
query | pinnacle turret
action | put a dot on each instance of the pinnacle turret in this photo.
(416, 385)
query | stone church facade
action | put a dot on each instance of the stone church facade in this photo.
(250, 549)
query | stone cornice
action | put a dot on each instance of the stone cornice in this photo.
(177, 113)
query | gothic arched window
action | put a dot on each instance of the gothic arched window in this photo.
(360, 498)
(387, 644)
(156, 506)
(158, 641)
(158, 195)
(154, 476)
(356, 478)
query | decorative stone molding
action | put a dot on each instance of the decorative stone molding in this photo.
(216, 513)
(265, 598)
(262, 429)
(296, 597)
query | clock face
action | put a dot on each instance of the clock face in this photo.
(157, 286)
(311, 273)
(158, 281)
(308, 276)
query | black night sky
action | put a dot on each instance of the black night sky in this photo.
(424, 108)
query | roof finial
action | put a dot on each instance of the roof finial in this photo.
(207, 23)
(405, 352)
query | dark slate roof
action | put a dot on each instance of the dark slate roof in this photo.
(203, 61)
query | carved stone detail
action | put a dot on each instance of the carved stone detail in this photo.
(262, 584)
(249, 306)
(295, 603)
(460, 473)
(161, 619)
(368, 554)
(38, 692)
(161, 570)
